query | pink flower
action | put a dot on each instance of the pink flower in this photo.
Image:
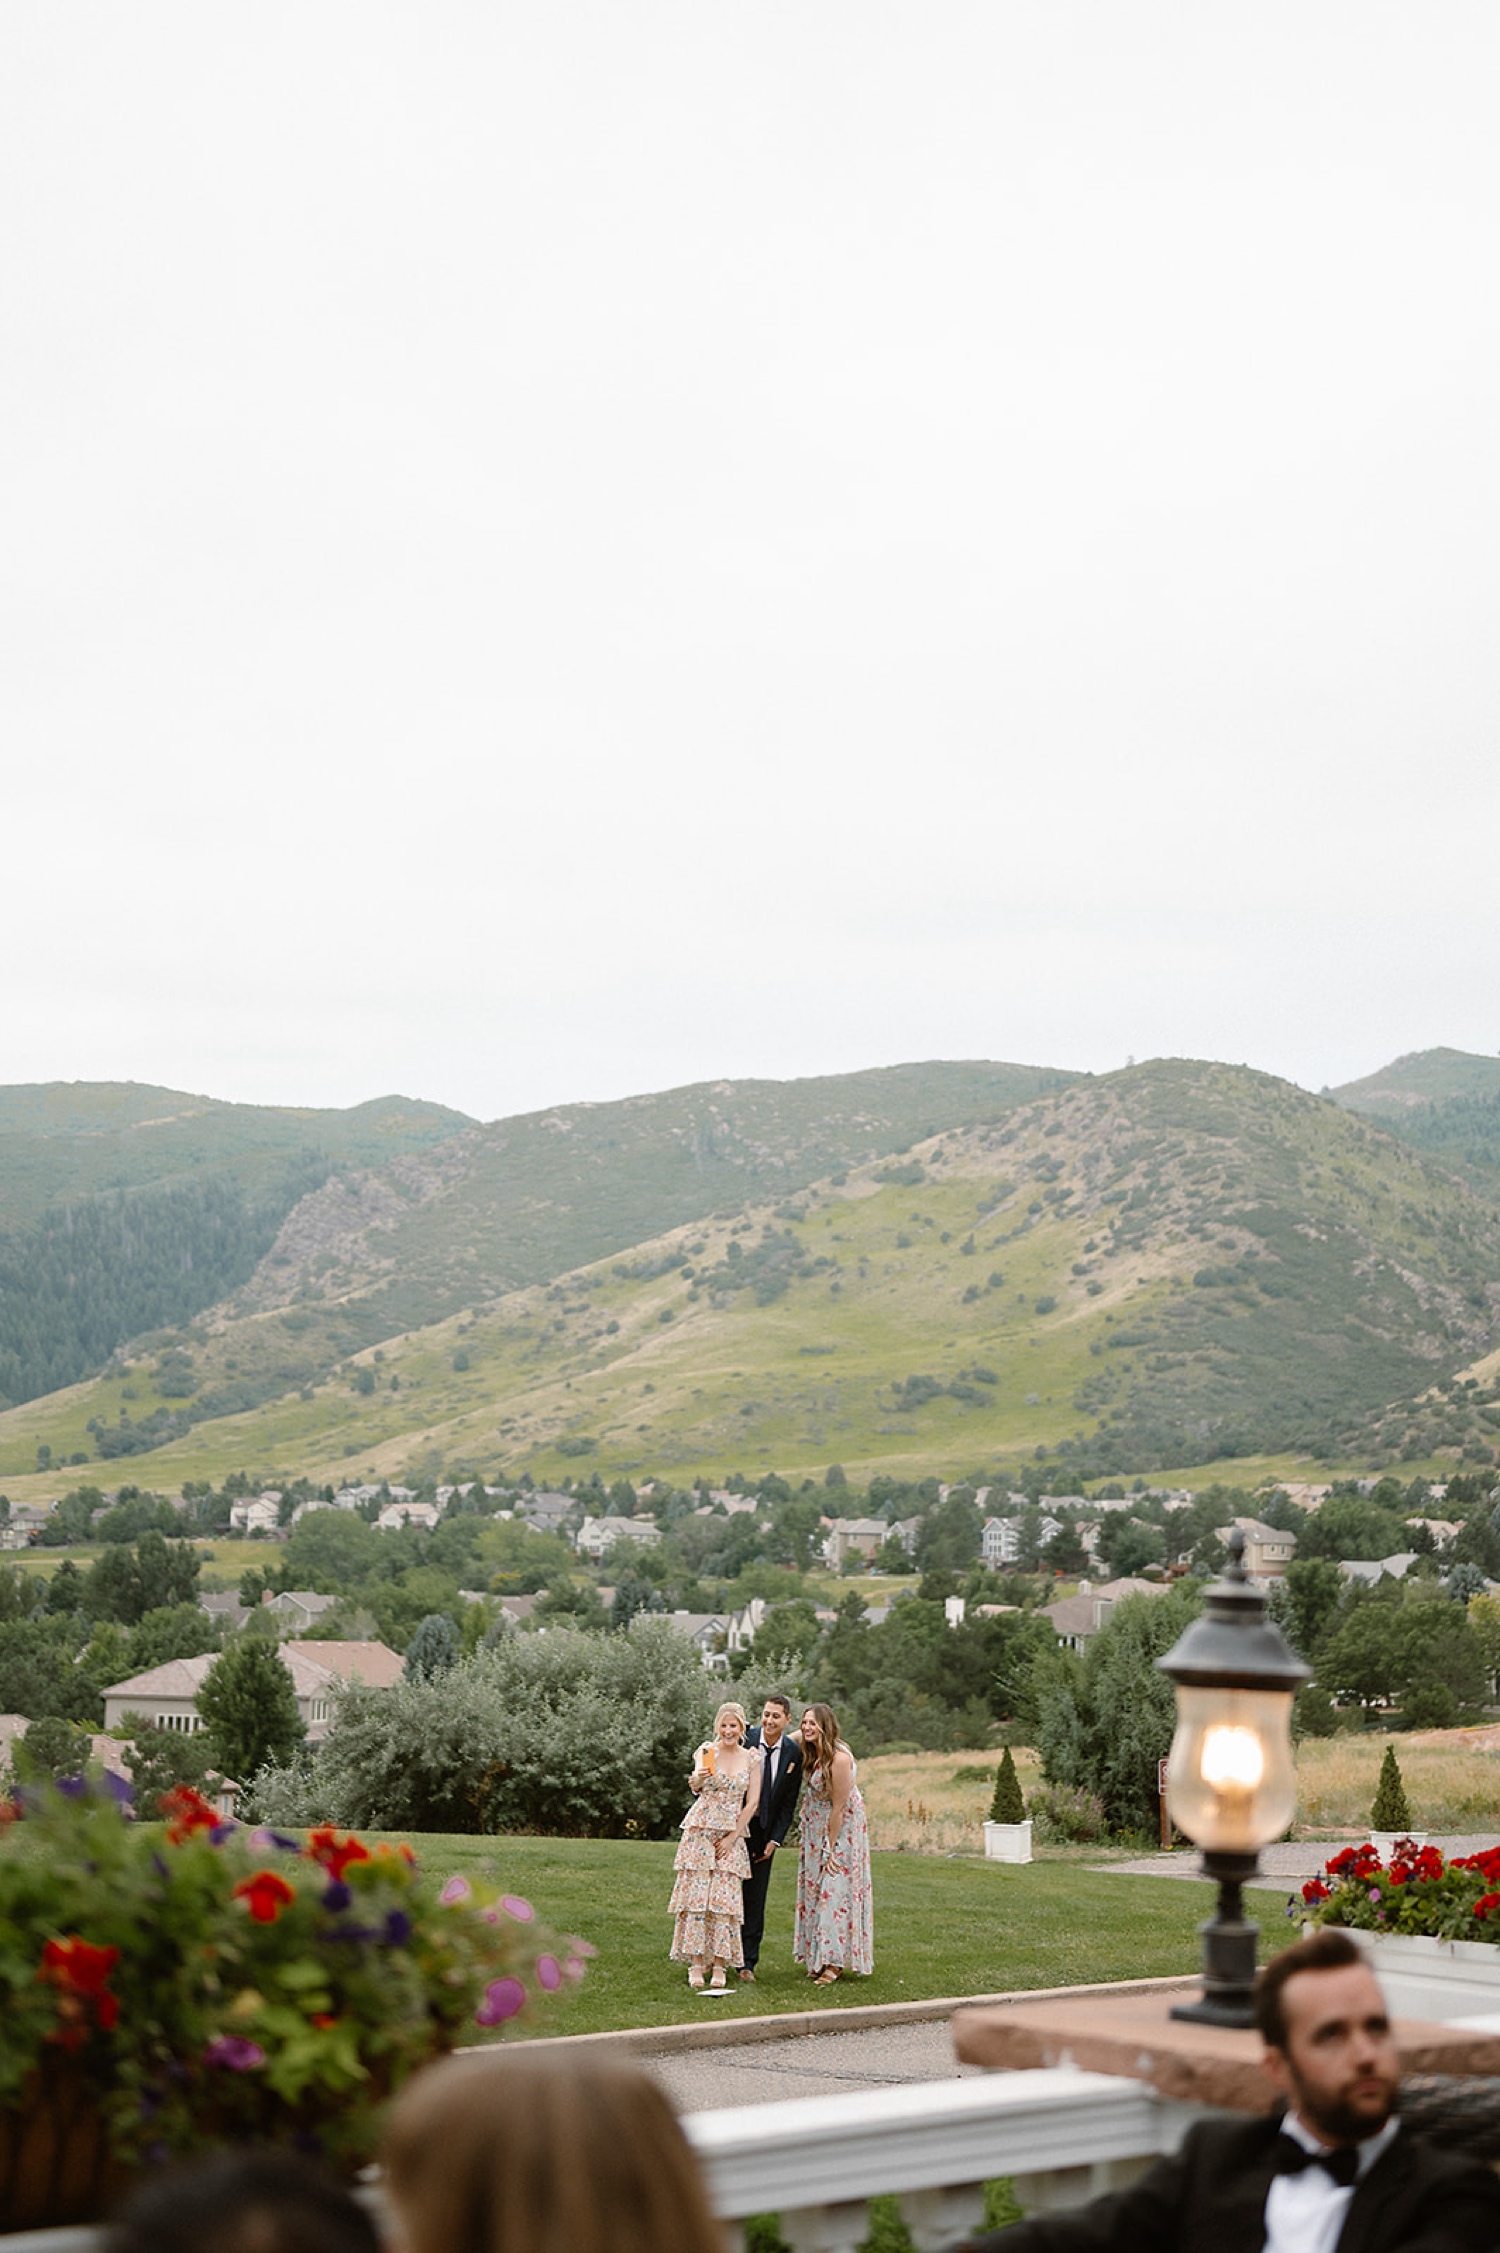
(235, 2052)
(549, 1973)
(515, 1907)
(502, 1999)
(456, 1889)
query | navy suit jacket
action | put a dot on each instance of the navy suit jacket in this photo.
(776, 1820)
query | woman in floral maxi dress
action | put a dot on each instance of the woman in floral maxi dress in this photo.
(713, 1862)
(835, 1905)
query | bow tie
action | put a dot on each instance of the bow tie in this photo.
(1342, 2162)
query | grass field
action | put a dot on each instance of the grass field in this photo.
(959, 1927)
(1450, 1786)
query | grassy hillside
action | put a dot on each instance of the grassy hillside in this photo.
(1175, 1265)
(1440, 1099)
(126, 1210)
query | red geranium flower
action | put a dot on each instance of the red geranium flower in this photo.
(186, 1811)
(335, 1854)
(1486, 1905)
(80, 1971)
(265, 1895)
(1315, 1890)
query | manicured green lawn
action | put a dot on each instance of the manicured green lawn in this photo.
(960, 1927)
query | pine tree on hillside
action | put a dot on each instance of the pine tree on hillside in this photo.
(1390, 1812)
(1007, 1805)
(249, 1707)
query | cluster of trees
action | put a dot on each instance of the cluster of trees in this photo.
(114, 1265)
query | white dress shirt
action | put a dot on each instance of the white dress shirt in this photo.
(1305, 2213)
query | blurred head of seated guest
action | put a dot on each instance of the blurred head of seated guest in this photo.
(510, 2153)
(242, 2202)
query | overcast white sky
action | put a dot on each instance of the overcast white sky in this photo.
(555, 550)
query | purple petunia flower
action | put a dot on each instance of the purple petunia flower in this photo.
(336, 1895)
(235, 2052)
(278, 1839)
(120, 1791)
(73, 1787)
(220, 1832)
(502, 1999)
(456, 1889)
(549, 1973)
(398, 1929)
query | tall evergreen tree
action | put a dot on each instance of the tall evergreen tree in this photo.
(249, 1706)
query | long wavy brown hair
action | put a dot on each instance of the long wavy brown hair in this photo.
(527, 2154)
(829, 1739)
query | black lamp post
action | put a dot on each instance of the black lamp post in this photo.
(1231, 1785)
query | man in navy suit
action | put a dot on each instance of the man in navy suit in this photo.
(1334, 2173)
(780, 1782)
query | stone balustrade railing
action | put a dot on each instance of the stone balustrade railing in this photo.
(1061, 2135)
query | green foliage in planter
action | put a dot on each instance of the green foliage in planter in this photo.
(1390, 1812)
(209, 1984)
(1007, 1805)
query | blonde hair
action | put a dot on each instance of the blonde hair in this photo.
(510, 2153)
(730, 1707)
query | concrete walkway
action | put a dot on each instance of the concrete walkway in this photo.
(808, 2065)
(1287, 1864)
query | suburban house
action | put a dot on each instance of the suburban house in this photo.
(397, 1514)
(104, 1752)
(1268, 1551)
(1000, 1541)
(597, 1536)
(709, 1630)
(1368, 1570)
(303, 1607)
(227, 1609)
(861, 1537)
(26, 1519)
(167, 1696)
(547, 1513)
(255, 1513)
(1076, 1618)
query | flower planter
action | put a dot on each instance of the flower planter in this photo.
(56, 2166)
(1007, 1842)
(1385, 1843)
(1454, 1981)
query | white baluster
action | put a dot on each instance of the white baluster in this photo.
(840, 2228)
(939, 2218)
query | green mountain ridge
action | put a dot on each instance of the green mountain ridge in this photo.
(1175, 1264)
(1443, 1100)
(126, 1210)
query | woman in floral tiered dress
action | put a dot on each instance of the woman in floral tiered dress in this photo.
(712, 1862)
(835, 1905)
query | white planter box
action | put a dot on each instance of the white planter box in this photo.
(1007, 1842)
(1454, 1981)
(1385, 1843)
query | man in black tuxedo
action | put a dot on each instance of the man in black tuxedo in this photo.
(1334, 2173)
(780, 1782)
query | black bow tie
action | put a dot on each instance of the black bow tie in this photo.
(1342, 2161)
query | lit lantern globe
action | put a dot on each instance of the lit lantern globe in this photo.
(1231, 1784)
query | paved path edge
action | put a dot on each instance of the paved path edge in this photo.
(780, 2026)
